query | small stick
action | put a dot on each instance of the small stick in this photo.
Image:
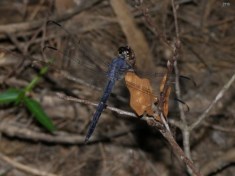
(217, 98)
(24, 167)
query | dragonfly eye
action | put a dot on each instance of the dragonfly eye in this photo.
(123, 50)
(127, 53)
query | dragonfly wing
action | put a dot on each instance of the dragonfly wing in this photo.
(74, 66)
(73, 58)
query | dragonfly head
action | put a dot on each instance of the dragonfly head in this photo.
(128, 54)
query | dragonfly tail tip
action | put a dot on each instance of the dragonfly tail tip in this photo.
(86, 140)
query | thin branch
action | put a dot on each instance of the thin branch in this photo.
(185, 131)
(12, 130)
(175, 19)
(220, 162)
(16, 27)
(219, 128)
(24, 167)
(217, 98)
(73, 99)
(26, 133)
(176, 148)
(154, 28)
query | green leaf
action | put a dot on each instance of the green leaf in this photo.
(10, 96)
(35, 108)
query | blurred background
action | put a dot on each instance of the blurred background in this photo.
(121, 145)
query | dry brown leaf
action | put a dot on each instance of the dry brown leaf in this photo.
(166, 95)
(142, 97)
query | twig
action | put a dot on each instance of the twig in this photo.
(36, 10)
(177, 150)
(176, 48)
(154, 28)
(219, 128)
(217, 98)
(24, 167)
(175, 19)
(221, 22)
(12, 28)
(58, 137)
(119, 111)
(219, 163)
(25, 133)
(17, 44)
(185, 131)
(164, 122)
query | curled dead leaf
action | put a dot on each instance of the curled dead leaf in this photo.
(141, 94)
(142, 99)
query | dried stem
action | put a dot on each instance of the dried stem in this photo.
(222, 161)
(15, 27)
(177, 150)
(119, 111)
(24, 167)
(217, 98)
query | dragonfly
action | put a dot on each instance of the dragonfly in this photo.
(122, 63)
(75, 57)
